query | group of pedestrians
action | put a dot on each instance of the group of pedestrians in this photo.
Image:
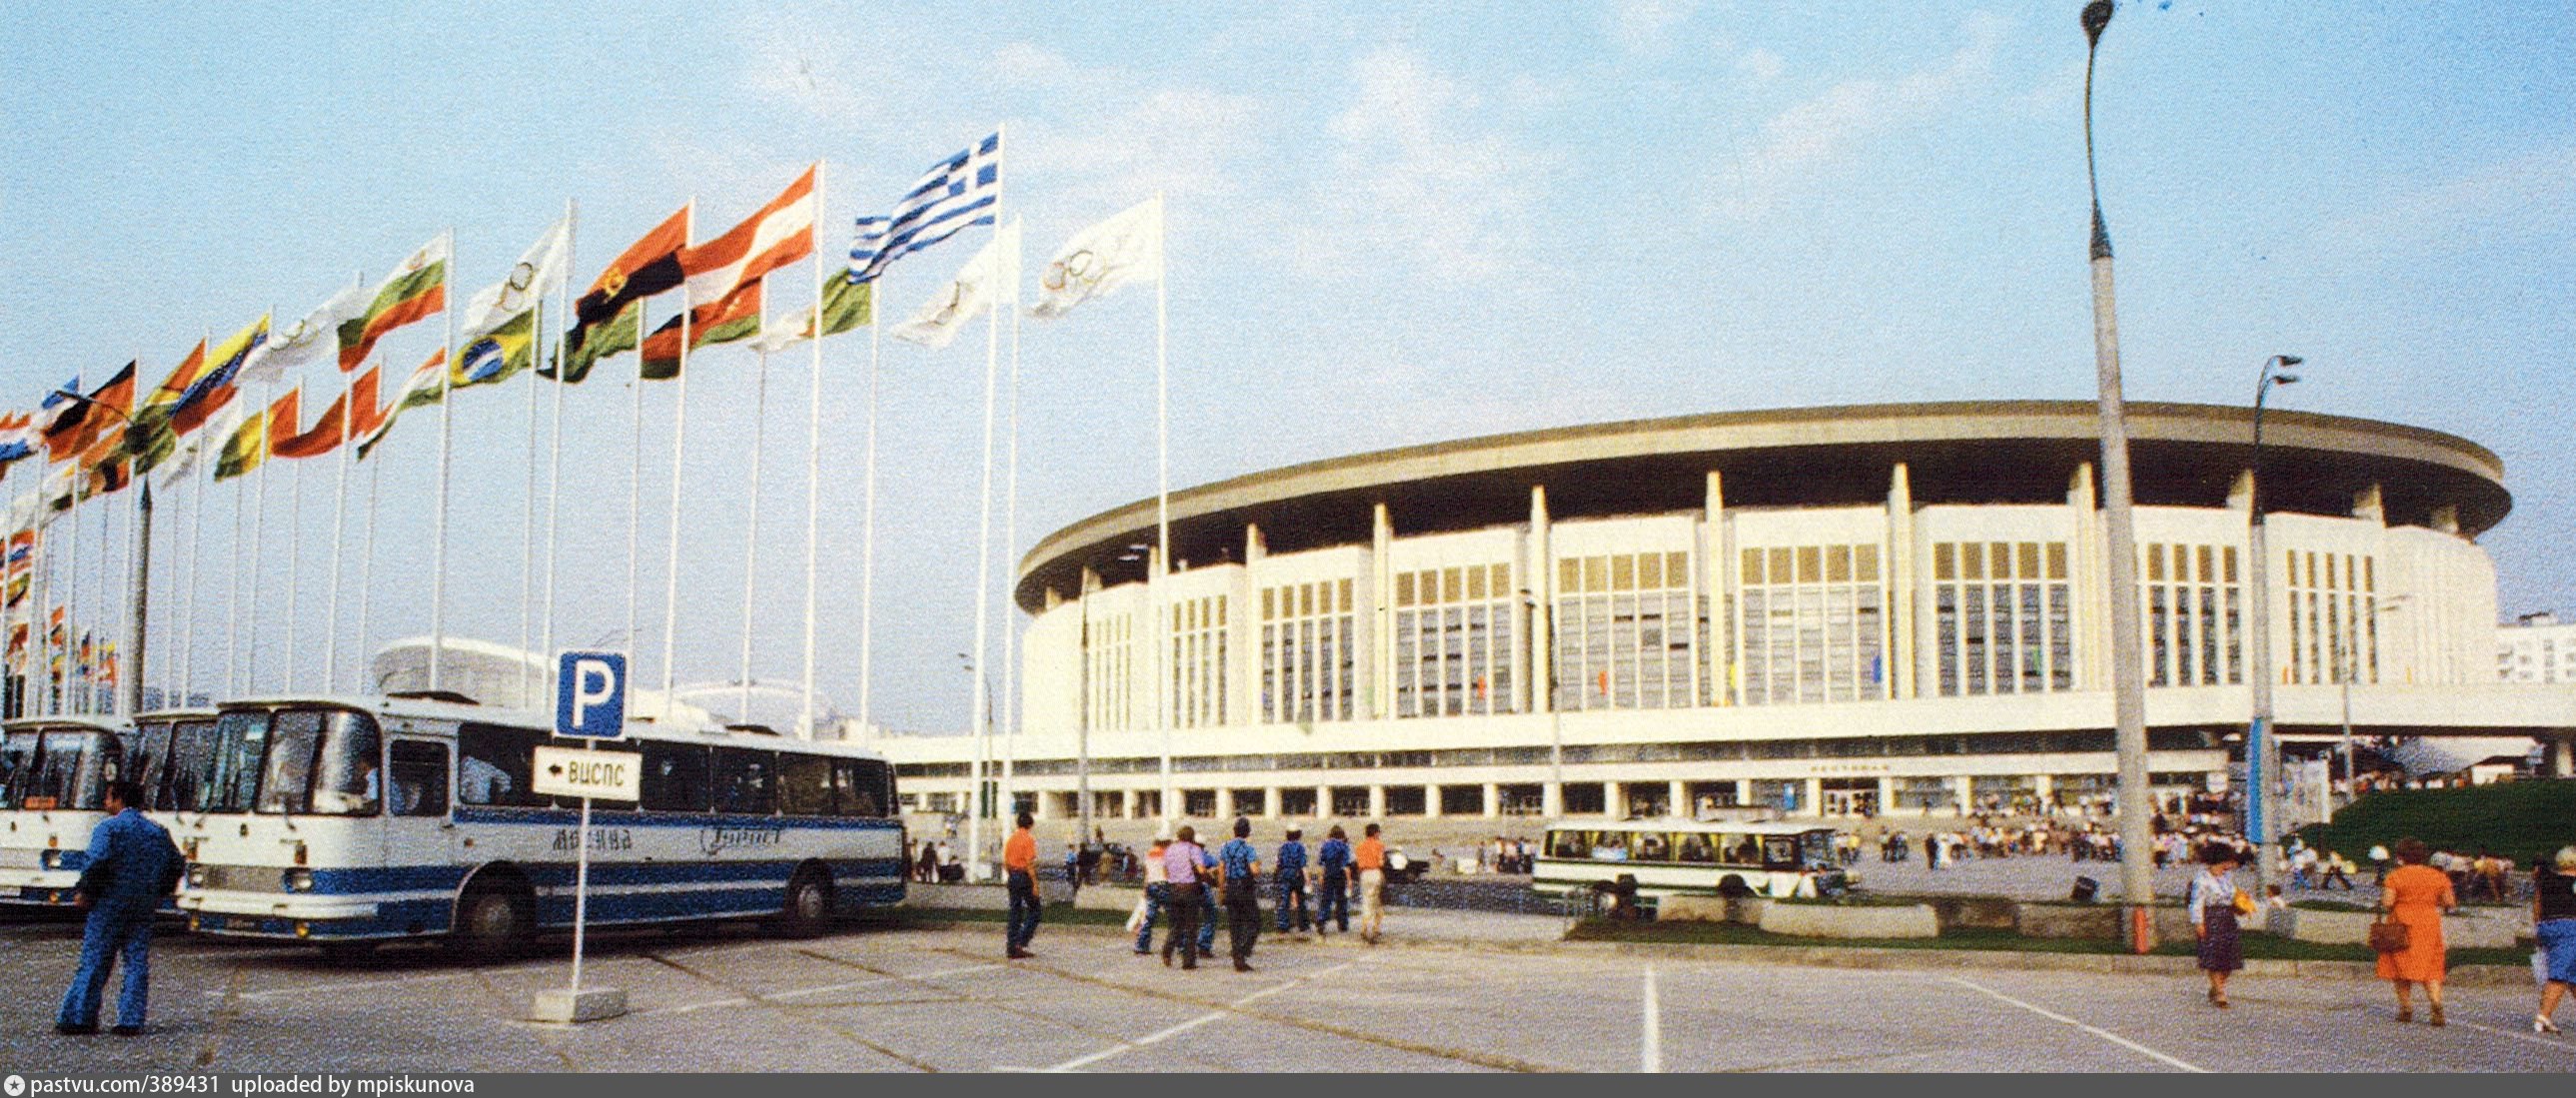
(1184, 884)
(2413, 897)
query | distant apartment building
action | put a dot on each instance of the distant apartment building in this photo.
(2536, 648)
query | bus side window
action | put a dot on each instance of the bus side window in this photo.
(493, 766)
(1654, 847)
(746, 781)
(1696, 848)
(861, 784)
(419, 783)
(804, 785)
(675, 778)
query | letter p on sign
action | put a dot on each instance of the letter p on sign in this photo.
(590, 695)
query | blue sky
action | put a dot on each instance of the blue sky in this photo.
(1389, 224)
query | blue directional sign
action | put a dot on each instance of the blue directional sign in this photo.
(590, 695)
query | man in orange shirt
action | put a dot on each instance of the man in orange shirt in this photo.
(1370, 860)
(1020, 862)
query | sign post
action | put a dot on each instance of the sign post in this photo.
(590, 705)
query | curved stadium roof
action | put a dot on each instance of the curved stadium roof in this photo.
(1985, 452)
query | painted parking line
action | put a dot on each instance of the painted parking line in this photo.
(1169, 1032)
(798, 993)
(1651, 1053)
(2097, 1031)
(2559, 1043)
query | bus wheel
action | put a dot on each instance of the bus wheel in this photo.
(348, 953)
(492, 924)
(809, 903)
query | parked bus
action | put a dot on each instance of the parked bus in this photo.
(358, 821)
(1690, 858)
(170, 750)
(54, 773)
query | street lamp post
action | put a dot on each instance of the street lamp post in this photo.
(2262, 748)
(2350, 670)
(141, 579)
(2128, 671)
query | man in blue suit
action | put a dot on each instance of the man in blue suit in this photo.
(132, 866)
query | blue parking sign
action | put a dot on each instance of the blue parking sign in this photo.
(590, 695)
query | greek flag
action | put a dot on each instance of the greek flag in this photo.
(957, 192)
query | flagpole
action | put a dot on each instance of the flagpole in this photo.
(438, 534)
(554, 431)
(868, 522)
(1010, 545)
(814, 459)
(1162, 512)
(368, 683)
(980, 709)
(679, 440)
(294, 556)
(528, 510)
(258, 537)
(71, 595)
(339, 534)
(635, 473)
(751, 525)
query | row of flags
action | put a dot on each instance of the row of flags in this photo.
(95, 440)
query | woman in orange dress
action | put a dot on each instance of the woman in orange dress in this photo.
(2416, 895)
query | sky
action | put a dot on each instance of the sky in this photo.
(1389, 224)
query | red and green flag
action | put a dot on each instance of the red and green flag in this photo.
(416, 290)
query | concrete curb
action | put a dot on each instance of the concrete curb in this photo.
(1859, 957)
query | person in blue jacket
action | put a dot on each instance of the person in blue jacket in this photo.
(1333, 890)
(1289, 881)
(132, 866)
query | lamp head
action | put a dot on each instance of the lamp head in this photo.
(2288, 361)
(2097, 15)
(2284, 379)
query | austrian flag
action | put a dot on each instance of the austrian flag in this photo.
(780, 233)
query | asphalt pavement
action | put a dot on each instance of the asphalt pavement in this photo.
(733, 999)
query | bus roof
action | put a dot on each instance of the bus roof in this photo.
(85, 722)
(393, 708)
(1702, 827)
(177, 713)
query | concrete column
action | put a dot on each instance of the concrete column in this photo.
(1899, 576)
(1538, 576)
(1614, 800)
(2041, 787)
(2092, 612)
(1271, 801)
(1886, 794)
(1493, 800)
(1381, 628)
(1377, 802)
(1551, 796)
(1323, 802)
(1253, 547)
(1677, 800)
(1963, 787)
(1812, 802)
(1128, 803)
(1714, 568)
(1430, 802)
(2562, 756)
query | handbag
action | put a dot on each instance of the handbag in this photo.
(2389, 936)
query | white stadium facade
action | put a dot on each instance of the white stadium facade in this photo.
(1896, 609)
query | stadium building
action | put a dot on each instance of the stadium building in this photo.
(1890, 609)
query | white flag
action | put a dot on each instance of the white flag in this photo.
(1126, 248)
(538, 273)
(993, 275)
(315, 338)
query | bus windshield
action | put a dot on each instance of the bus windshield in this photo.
(321, 762)
(70, 769)
(185, 769)
(232, 768)
(17, 766)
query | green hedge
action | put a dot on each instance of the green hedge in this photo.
(2523, 820)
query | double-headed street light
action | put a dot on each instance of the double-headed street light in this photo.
(2262, 747)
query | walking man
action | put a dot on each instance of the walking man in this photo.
(1333, 882)
(132, 866)
(1242, 867)
(1182, 862)
(1371, 860)
(1020, 862)
(1158, 895)
(1289, 881)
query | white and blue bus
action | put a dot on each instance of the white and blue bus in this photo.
(354, 822)
(54, 773)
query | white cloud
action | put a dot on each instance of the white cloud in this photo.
(1413, 176)
(2529, 189)
(1813, 135)
(1644, 27)
(1758, 67)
